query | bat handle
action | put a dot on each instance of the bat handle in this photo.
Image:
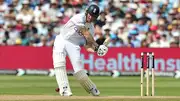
(106, 42)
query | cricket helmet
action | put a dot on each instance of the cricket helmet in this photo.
(93, 10)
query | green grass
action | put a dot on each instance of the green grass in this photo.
(122, 86)
(127, 86)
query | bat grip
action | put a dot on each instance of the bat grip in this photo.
(96, 48)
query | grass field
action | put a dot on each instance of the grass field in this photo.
(42, 88)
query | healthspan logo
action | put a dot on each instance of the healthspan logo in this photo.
(127, 63)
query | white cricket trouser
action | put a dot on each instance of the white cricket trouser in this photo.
(61, 49)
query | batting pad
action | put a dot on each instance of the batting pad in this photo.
(62, 80)
(84, 80)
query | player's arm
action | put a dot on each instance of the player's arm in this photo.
(89, 48)
(91, 44)
(101, 50)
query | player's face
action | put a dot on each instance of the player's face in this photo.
(90, 18)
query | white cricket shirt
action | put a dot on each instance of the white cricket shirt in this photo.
(71, 32)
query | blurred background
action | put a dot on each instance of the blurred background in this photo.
(129, 23)
(133, 26)
(28, 29)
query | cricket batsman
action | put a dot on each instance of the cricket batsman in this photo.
(79, 28)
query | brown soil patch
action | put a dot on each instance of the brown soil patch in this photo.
(55, 97)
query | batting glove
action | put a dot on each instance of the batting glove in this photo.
(102, 50)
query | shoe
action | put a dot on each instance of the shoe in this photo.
(64, 93)
(95, 92)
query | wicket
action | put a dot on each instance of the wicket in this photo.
(150, 57)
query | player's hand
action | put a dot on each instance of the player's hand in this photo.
(102, 50)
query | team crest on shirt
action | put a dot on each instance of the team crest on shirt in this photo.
(78, 31)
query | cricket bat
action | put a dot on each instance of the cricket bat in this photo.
(107, 41)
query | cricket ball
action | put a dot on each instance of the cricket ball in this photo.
(57, 89)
